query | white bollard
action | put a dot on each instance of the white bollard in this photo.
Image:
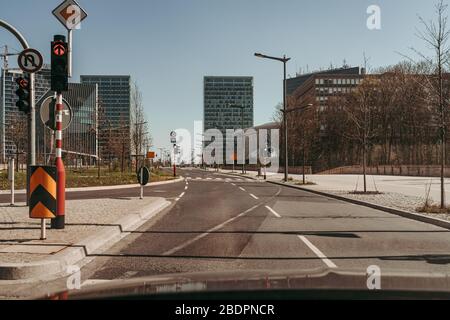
(11, 178)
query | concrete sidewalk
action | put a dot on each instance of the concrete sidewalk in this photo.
(92, 226)
(408, 186)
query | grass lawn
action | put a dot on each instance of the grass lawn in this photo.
(87, 178)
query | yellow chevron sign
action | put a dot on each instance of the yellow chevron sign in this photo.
(43, 192)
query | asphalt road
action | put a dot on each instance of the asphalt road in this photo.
(224, 223)
(219, 223)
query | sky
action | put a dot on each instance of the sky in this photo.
(168, 46)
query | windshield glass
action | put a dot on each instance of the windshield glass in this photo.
(203, 146)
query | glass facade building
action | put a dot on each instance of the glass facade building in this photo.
(9, 113)
(114, 99)
(228, 104)
(80, 142)
(221, 97)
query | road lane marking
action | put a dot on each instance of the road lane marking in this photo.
(318, 253)
(233, 184)
(186, 187)
(242, 189)
(201, 236)
(273, 211)
(253, 196)
(182, 195)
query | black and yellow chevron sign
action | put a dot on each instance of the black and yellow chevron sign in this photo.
(43, 192)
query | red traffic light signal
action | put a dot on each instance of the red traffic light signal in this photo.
(23, 83)
(59, 49)
(23, 93)
(59, 64)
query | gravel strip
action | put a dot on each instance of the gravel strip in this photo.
(392, 200)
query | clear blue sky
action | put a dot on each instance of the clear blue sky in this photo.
(167, 46)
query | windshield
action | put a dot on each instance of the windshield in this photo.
(204, 146)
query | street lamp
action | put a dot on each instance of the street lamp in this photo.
(285, 111)
(284, 60)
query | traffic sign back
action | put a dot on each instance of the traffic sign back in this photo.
(67, 112)
(143, 176)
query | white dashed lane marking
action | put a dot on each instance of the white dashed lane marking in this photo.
(253, 196)
(318, 253)
(201, 236)
(273, 212)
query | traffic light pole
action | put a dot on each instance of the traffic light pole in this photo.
(32, 114)
(59, 221)
(174, 161)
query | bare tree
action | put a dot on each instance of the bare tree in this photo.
(436, 35)
(140, 136)
(361, 109)
(18, 136)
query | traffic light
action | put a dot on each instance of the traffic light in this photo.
(60, 71)
(51, 122)
(23, 93)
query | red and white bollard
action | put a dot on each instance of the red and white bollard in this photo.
(59, 221)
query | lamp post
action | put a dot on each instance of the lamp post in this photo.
(284, 60)
(285, 111)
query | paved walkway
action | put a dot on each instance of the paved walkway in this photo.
(19, 235)
(408, 186)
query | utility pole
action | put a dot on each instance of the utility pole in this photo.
(59, 83)
(32, 113)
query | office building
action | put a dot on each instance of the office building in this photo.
(9, 113)
(114, 99)
(228, 103)
(80, 139)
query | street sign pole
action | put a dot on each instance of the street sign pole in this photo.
(69, 53)
(11, 178)
(31, 117)
(31, 133)
(174, 160)
(142, 180)
(59, 221)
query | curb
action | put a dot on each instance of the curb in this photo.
(405, 214)
(99, 188)
(102, 240)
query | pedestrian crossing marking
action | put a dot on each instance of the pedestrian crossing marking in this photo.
(216, 179)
